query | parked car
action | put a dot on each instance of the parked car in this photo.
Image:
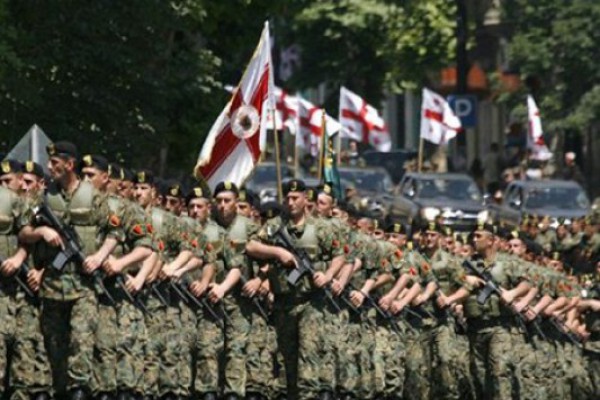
(373, 184)
(264, 177)
(553, 198)
(393, 161)
(454, 198)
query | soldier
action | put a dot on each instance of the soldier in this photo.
(238, 231)
(69, 303)
(299, 311)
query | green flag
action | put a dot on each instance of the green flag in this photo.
(331, 174)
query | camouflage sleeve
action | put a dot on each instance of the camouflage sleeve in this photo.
(329, 241)
(458, 276)
(137, 230)
(107, 221)
(262, 234)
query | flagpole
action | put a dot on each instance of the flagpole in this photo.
(339, 147)
(277, 158)
(322, 147)
(420, 163)
(296, 160)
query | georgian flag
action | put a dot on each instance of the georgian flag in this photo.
(286, 114)
(362, 122)
(310, 121)
(238, 136)
(439, 124)
(535, 137)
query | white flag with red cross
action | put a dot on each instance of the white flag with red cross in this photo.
(362, 122)
(439, 124)
(535, 137)
(238, 136)
(310, 121)
(287, 110)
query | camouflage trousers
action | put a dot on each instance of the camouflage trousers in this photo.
(355, 366)
(207, 354)
(418, 355)
(21, 341)
(265, 376)
(538, 370)
(167, 355)
(492, 361)
(592, 359)
(449, 361)
(237, 332)
(577, 381)
(69, 329)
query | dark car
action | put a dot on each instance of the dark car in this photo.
(393, 161)
(373, 185)
(553, 198)
(264, 178)
(455, 198)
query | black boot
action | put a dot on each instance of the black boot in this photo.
(77, 394)
(41, 396)
(105, 396)
(209, 396)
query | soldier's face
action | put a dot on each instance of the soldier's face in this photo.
(199, 209)
(11, 181)
(126, 189)
(466, 251)
(482, 241)
(112, 186)
(244, 209)
(226, 205)
(295, 201)
(173, 204)
(378, 234)
(144, 194)
(364, 225)
(30, 183)
(324, 205)
(98, 179)
(517, 247)
(397, 239)
(60, 167)
(432, 240)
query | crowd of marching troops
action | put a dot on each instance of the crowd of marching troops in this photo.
(115, 285)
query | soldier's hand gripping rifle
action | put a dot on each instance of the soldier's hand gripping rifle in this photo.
(133, 299)
(20, 277)
(304, 266)
(181, 287)
(72, 248)
(491, 287)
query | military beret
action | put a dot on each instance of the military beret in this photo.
(378, 223)
(294, 185)
(433, 226)
(144, 176)
(270, 209)
(162, 186)
(115, 171)
(31, 167)
(247, 196)
(127, 174)
(326, 189)
(10, 167)
(62, 149)
(95, 161)
(396, 227)
(447, 230)
(173, 188)
(226, 187)
(311, 194)
(198, 192)
(487, 226)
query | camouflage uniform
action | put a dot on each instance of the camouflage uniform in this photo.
(69, 302)
(299, 312)
(592, 347)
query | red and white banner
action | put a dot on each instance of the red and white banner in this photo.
(362, 122)
(287, 110)
(238, 136)
(310, 126)
(439, 124)
(535, 137)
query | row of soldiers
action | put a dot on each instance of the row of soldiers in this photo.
(114, 289)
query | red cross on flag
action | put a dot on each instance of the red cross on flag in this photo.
(287, 111)
(535, 137)
(310, 121)
(238, 136)
(439, 124)
(362, 122)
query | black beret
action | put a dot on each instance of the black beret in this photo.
(226, 187)
(270, 209)
(433, 226)
(115, 171)
(378, 223)
(128, 175)
(311, 194)
(95, 161)
(294, 185)
(396, 227)
(173, 188)
(246, 196)
(487, 226)
(198, 192)
(62, 149)
(10, 167)
(326, 189)
(31, 167)
(144, 176)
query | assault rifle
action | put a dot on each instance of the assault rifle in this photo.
(255, 301)
(72, 248)
(303, 264)
(20, 277)
(133, 299)
(181, 288)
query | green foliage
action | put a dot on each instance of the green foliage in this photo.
(556, 48)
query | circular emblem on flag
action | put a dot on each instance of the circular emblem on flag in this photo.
(245, 121)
